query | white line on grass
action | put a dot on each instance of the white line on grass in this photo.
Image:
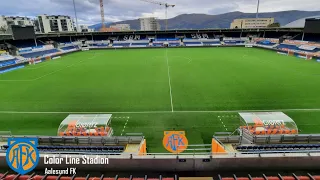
(222, 123)
(169, 80)
(50, 72)
(124, 127)
(148, 112)
(44, 75)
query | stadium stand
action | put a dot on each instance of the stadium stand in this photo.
(23, 43)
(266, 43)
(113, 150)
(266, 38)
(195, 43)
(157, 44)
(211, 42)
(7, 60)
(7, 63)
(233, 41)
(121, 44)
(174, 44)
(40, 53)
(296, 48)
(69, 48)
(98, 44)
(139, 44)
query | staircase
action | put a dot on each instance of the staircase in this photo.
(132, 148)
(246, 137)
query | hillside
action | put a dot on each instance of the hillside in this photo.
(201, 21)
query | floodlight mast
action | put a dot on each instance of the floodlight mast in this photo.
(166, 5)
(257, 14)
(102, 15)
(75, 14)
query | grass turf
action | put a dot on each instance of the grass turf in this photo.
(202, 79)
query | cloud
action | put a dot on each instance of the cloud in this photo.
(88, 11)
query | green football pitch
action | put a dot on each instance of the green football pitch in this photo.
(198, 90)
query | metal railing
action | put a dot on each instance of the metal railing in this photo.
(81, 140)
(131, 155)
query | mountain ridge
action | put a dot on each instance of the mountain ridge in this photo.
(203, 21)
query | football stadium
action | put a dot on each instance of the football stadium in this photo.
(205, 104)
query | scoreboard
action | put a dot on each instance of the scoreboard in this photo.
(312, 25)
(23, 32)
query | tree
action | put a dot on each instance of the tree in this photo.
(274, 25)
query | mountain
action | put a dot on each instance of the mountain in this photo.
(202, 21)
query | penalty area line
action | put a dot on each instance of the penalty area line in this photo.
(124, 127)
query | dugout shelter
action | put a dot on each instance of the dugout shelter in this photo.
(270, 123)
(86, 125)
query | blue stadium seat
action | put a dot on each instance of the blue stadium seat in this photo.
(211, 42)
(174, 44)
(39, 53)
(69, 48)
(121, 44)
(99, 44)
(294, 47)
(139, 44)
(266, 43)
(232, 42)
(8, 62)
(192, 43)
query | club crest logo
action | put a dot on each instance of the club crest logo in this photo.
(22, 155)
(175, 141)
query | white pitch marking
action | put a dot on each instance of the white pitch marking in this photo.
(48, 73)
(124, 127)
(169, 80)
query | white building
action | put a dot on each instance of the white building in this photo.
(55, 23)
(7, 21)
(121, 27)
(149, 24)
(251, 23)
(85, 28)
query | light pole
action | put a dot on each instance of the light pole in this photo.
(75, 14)
(257, 15)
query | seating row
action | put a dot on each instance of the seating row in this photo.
(7, 63)
(39, 53)
(294, 47)
(69, 48)
(110, 149)
(279, 147)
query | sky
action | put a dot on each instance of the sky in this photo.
(88, 11)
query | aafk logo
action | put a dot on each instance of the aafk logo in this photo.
(175, 141)
(22, 155)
